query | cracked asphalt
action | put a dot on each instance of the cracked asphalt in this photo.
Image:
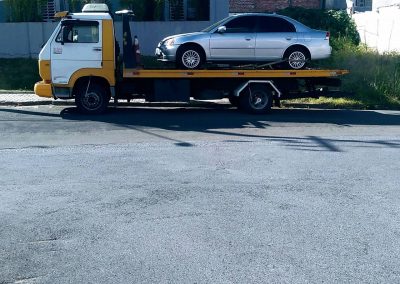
(199, 195)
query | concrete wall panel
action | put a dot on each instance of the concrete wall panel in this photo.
(26, 39)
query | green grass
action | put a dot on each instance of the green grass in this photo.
(374, 78)
(18, 74)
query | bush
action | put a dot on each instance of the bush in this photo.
(338, 23)
(374, 79)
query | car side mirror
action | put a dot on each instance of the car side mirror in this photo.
(221, 30)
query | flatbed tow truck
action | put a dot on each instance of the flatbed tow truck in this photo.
(81, 60)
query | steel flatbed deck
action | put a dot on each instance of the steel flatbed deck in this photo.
(231, 73)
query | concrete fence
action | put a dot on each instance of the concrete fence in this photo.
(25, 39)
(380, 30)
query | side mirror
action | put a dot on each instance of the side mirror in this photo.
(221, 30)
(65, 32)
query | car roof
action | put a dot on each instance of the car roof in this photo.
(299, 26)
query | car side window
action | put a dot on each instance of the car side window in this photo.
(241, 25)
(269, 24)
(82, 32)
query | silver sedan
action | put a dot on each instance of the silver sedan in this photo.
(247, 38)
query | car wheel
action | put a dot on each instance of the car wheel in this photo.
(296, 59)
(190, 57)
(256, 99)
(92, 100)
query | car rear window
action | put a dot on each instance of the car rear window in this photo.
(270, 24)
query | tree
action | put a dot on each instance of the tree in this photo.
(145, 10)
(24, 10)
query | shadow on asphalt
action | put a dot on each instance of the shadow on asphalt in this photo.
(223, 120)
(220, 116)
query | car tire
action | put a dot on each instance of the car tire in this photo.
(92, 100)
(296, 58)
(256, 99)
(190, 57)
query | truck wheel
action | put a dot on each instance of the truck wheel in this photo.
(256, 99)
(190, 57)
(93, 100)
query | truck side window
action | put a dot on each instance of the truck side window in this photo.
(79, 32)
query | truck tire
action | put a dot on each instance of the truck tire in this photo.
(93, 100)
(256, 99)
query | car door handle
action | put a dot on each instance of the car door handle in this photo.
(97, 49)
(248, 39)
(288, 38)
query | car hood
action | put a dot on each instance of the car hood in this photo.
(185, 36)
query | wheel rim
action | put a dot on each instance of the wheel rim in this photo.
(91, 101)
(297, 60)
(258, 100)
(191, 59)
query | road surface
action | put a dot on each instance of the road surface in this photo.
(199, 195)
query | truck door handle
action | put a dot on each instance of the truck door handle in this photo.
(97, 49)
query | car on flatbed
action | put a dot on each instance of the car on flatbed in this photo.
(251, 37)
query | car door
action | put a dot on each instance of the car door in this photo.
(78, 45)
(274, 36)
(237, 42)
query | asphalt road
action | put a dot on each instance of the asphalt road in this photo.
(199, 195)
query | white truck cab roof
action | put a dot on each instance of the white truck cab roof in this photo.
(91, 16)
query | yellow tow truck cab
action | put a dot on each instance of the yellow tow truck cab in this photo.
(82, 60)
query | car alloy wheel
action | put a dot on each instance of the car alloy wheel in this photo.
(191, 59)
(297, 60)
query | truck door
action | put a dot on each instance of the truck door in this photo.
(78, 45)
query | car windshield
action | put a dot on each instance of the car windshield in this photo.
(213, 26)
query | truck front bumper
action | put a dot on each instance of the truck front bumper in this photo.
(42, 89)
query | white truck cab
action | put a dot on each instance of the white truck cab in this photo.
(80, 50)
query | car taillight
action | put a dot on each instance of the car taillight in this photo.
(327, 36)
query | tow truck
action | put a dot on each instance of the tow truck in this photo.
(81, 61)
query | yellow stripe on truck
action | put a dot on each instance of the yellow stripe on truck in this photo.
(108, 51)
(45, 70)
